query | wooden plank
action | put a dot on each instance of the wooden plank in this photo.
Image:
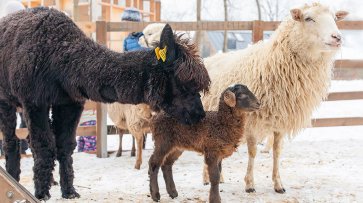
(87, 27)
(101, 130)
(257, 31)
(270, 25)
(11, 191)
(101, 32)
(350, 25)
(336, 96)
(22, 133)
(157, 10)
(347, 63)
(333, 122)
(185, 26)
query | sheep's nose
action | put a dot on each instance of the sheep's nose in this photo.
(337, 37)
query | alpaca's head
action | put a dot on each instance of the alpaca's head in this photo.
(152, 33)
(317, 25)
(187, 77)
(240, 97)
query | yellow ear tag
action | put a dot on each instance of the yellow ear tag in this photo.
(160, 53)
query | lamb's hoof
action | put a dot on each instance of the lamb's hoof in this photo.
(250, 190)
(44, 197)
(54, 183)
(156, 197)
(70, 195)
(173, 194)
(137, 166)
(118, 154)
(206, 183)
(281, 191)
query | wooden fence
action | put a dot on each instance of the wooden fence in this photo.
(258, 27)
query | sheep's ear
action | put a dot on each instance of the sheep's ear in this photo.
(340, 15)
(167, 40)
(229, 98)
(296, 14)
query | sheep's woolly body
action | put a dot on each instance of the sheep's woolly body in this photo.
(288, 75)
(128, 116)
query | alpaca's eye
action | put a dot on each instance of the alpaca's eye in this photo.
(308, 19)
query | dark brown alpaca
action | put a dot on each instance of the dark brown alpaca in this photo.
(46, 62)
(217, 136)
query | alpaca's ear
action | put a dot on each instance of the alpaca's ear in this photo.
(229, 98)
(167, 39)
(296, 14)
(340, 15)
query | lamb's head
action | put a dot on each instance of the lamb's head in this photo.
(143, 111)
(241, 98)
(152, 33)
(317, 24)
(187, 77)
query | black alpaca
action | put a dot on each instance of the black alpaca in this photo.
(47, 62)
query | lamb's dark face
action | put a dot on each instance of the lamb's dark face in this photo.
(239, 96)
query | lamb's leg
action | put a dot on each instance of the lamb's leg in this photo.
(120, 134)
(167, 169)
(133, 149)
(214, 175)
(139, 138)
(252, 148)
(11, 141)
(206, 175)
(155, 161)
(65, 122)
(269, 143)
(277, 146)
(221, 178)
(43, 146)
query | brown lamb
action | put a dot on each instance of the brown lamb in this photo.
(216, 137)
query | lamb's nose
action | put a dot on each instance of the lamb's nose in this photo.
(337, 37)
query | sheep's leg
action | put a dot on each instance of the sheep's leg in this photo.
(252, 148)
(144, 140)
(221, 178)
(65, 122)
(11, 141)
(167, 169)
(277, 146)
(269, 144)
(43, 146)
(155, 161)
(206, 175)
(133, 149)
(120, 134)
(139, 138)
(214, 177)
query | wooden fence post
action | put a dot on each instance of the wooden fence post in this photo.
(257, 31)
(101, 121)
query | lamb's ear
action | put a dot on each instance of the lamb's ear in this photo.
(296, 14)
(229, 98)
(340, 15)
(167, 39)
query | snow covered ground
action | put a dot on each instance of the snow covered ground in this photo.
(318, 165)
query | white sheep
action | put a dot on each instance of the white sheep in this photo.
(134, 118)
(290, 74)
(151, 33)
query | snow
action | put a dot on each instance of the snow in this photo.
(318, 165)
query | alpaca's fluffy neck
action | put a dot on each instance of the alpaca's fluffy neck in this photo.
(106, 76)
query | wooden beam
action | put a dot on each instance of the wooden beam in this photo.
(333, 122)
(22, 133)
(87, 27)
(348, 63)
(350, 25)
(157, 11)
(257, 31)
(185, 26)
(336, 96)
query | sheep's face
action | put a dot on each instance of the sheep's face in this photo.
(151, 35)
(319, 26)
(239, 96)
(144, 111)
